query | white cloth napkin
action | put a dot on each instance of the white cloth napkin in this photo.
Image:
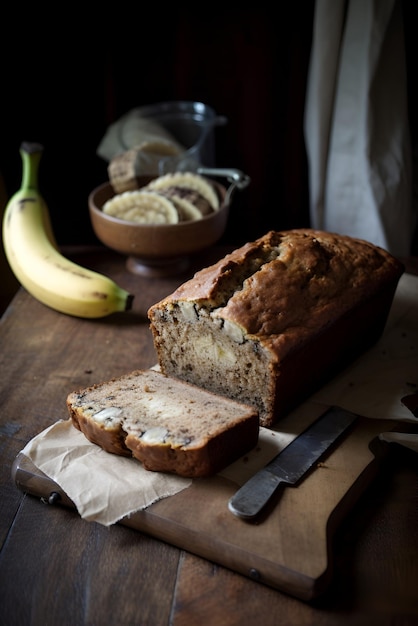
(106, 488)
(356, 123)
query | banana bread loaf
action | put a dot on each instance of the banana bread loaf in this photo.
(276, 318)
(168, 425)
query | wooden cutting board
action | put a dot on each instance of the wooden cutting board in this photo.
(289, 547)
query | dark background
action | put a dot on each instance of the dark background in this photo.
(67, 76)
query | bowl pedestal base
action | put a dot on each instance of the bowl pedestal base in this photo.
(157, 268)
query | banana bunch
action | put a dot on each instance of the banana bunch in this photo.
(36, 261)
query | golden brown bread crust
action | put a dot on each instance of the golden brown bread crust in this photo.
(110, 439)
(321, 296)
(317, 277)
(168, 425)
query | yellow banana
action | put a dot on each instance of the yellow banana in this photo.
(36, 261)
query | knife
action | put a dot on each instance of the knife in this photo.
(292, 463)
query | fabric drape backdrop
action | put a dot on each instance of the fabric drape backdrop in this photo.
(356, 123)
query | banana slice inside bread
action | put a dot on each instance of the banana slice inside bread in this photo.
(168, 425)
(275, 319)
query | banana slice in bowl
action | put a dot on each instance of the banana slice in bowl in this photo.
(190, 181)
(142, 207)
(159, 230)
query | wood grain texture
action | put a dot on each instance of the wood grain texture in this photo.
(58, 569)
(288, 546)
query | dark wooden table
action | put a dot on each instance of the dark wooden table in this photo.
(57, 569)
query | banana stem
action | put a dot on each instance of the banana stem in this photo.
(31, 155)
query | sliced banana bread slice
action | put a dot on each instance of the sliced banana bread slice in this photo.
(168, 425)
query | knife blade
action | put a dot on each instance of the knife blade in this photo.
(292, 463)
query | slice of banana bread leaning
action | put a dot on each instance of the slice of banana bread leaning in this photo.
(168, 425)
(276, 318)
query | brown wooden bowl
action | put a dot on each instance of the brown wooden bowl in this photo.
(156, 249)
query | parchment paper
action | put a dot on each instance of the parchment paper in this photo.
(106, 488)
